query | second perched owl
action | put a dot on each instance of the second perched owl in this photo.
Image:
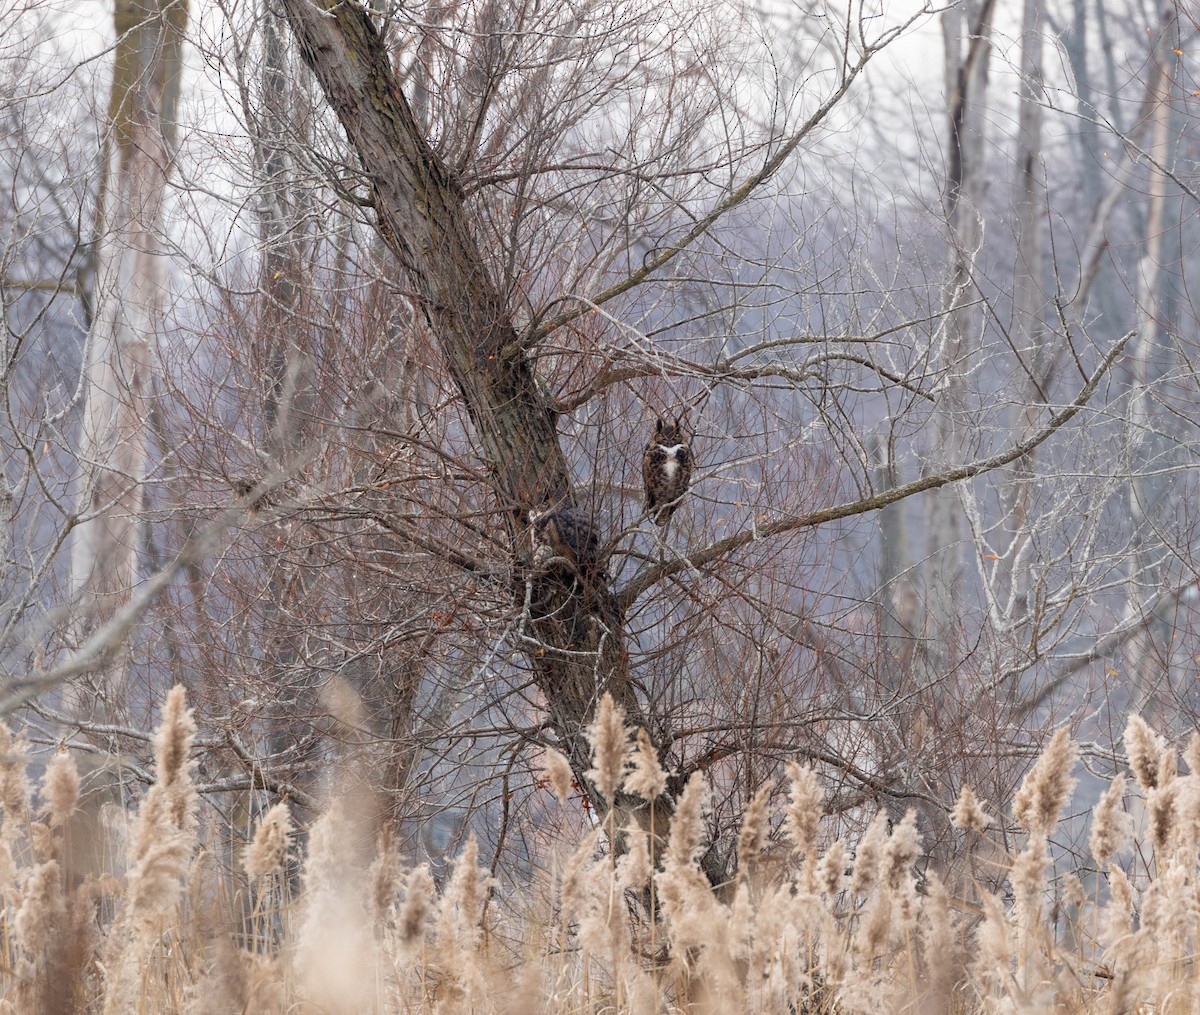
(566, 533)
(666, 469)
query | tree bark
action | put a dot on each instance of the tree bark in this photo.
(1012, 584)
(575, 630)
(130, 281)
(1148, 654)
(966, 89)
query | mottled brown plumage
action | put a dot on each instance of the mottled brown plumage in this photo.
(567, 533)
(666, 469)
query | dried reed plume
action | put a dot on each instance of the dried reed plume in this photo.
(1046, 789)
(1144, 749)
(163, 843)
(790, 933)
(268, 852)
(558, 771)
(1112, 828)
(803, 815)
(755, 826)
(416, 909)
(60, 789)
(646, 777)
(14, 784)
(968, 814)
(610, 748)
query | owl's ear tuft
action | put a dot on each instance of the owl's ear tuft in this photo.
(659, 426)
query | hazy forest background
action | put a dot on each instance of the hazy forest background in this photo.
(307, 306)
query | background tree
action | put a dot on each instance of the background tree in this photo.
(436, 269)
(126, 313)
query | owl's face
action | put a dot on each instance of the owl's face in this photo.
(670, 434)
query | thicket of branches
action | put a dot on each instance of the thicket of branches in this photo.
(310, 308)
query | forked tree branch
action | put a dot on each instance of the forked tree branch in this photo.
(789, 523)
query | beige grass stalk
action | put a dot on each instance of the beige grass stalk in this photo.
(164, 840)
(903, 848)
(696, 923)
(634, 869)
(412, 928)
(646, 777)
(264, 860)
(832, 871)
(1045, 790)
(802, 818)
(460, 930)
(335, 957)
(968, 814)
(1144, 749)
(1160, 808)
(60, 789)
(1112, 827)
(991, 970)
(755, 826)
(868, 857)
(268, 852)
(941, 949)
(384, 878)
(558, 772)
(39, 929)
(610, 748)
(14, 783)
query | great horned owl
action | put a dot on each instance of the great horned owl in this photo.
(666, 469)
(567, 533)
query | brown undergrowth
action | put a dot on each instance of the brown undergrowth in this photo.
(806, 927)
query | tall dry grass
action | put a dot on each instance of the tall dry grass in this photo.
(805, 927)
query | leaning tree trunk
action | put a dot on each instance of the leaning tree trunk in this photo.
(127, 302)
(420, 214)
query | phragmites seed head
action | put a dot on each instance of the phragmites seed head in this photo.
(1028, 879)
(14, 785)
(646, 778)
(1160, 805)
(1144, 749)
(1192, 754)
(384, 878)
(164, 834)
(60, 789)
(1046, 789)
(415, 910)
(755, 826)
(968, 814)
(1168, 767)
(634, 869)
(869, 856)
(687, 825)
(1112, 827)
(833, 869)
(268, 852)
(172, 745)
(40, 918)
(558, 771)
(903, 847)
(610, 748)
(804, 810)
(460, 920)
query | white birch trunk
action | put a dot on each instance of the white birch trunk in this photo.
(1149, 653)
(121, 348)
(1032, 373)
